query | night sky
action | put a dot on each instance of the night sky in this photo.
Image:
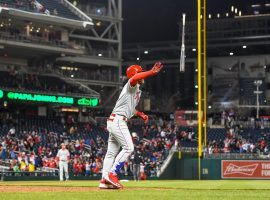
(157, 20)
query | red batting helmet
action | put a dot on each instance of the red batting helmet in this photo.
(133, 69)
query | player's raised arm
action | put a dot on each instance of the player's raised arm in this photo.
(142, 75)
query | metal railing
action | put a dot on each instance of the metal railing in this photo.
(236, 156)
(77, 11)
(35, 173)
(35, 40)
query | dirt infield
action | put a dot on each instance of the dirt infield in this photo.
(8, 188)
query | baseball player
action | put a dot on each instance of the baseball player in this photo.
(63, 157)
(119, 135)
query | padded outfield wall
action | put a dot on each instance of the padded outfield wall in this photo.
(185, 166)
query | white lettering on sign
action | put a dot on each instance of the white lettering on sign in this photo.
(265, 172)
(265, 165)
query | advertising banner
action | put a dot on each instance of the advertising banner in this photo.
(245, 169)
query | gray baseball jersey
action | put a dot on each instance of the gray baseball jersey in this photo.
(128, 100)
(63, 155)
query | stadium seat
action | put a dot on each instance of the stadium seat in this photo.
(62, 11)
(41, 83)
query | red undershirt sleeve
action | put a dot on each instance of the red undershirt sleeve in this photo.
(137, 77)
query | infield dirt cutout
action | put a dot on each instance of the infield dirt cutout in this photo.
(19, 189)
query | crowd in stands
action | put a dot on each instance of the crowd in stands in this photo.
(28, 5)
(238, 139)
(32, 82)
(28, 146)
(31, 143)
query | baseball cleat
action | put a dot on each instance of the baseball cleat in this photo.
(106, 185)
(113, 179)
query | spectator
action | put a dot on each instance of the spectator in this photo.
(87, 168)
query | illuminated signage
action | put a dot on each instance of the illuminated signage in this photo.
(88, 102)
(40, 98)
(47, 98)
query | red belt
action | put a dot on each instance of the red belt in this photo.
(112, 116)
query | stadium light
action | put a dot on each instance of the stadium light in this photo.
(218, 15)
(257, 83)
(100, 54)
(98, 11)
(193, 49)
(231, 53)
(72, 76)
(209, 16)
(244, 46)
(232, 8)
(196, 86)
(138, 58)
(146, 52)
(209, 106)
(227, 14)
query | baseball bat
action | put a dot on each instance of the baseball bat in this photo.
(182, 55)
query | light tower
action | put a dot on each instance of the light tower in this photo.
(257, 83)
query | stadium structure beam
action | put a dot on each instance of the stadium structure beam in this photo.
(22, 45)
(103, 41)
(99, 39)
(91, 60)
(49, 19)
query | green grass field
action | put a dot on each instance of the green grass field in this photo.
(221, 189)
